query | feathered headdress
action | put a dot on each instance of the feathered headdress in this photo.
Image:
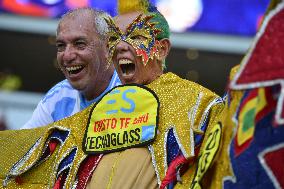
(126, 6)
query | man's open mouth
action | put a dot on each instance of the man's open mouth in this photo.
(127, 67)
(74, 69)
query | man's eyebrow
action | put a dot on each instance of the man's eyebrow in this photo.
(80, 38)
(59, 41)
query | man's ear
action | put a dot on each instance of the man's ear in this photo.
(164, 49)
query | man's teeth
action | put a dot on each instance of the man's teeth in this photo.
(73, 68)
(124, 61)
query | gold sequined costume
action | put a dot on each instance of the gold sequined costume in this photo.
(185, 107)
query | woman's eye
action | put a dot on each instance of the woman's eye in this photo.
(112, 38)
(137, 37)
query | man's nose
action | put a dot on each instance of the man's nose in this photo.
(69, 54)
(122, 46)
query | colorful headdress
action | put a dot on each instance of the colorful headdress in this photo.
(126, 6)
(141, 27)
(151, 27)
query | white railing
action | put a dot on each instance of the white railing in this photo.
(17, 107)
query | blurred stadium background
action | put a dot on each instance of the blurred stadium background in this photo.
(209, 38)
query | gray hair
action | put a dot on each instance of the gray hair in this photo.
(99, 16)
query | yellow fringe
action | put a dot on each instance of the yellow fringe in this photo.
(126, 6)
(272, 5)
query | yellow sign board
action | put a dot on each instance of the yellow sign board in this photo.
(126, 117)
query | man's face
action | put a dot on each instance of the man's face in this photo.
(81, 55)
(133, 50)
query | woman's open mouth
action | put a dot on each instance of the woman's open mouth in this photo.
(127, 67)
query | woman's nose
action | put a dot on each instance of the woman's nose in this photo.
(122, 46)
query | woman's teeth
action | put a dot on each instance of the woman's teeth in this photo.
(127, 67)
(124, 61)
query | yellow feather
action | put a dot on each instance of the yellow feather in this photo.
(272, 5)
(126, 6)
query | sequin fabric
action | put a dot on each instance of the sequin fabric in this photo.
(13, 147)
(141, 34)
(251, 154)
(240, 164)
(43, 175)
(266, 51)
(264, 62)
(178, 97)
